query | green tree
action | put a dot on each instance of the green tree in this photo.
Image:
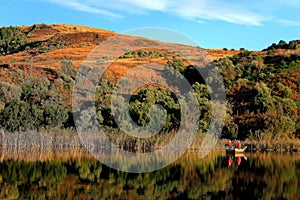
(11, 40)
(282, 44)
(9, 92)
(258, 64)
(141, 103)
(37, 107)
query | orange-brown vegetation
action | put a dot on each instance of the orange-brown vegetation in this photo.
(77, 43)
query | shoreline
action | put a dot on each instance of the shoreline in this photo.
(268, 145)
(69, 139)
(272, 146)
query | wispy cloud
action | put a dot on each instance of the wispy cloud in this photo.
(286, 22)
(84, 6)
(158, 5)
(217, 10)
(236, 12)
(290, 2)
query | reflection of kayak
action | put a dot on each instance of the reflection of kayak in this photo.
(236, 151)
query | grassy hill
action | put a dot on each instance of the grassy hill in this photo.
(38, 67)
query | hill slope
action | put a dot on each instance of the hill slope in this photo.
(262, 87)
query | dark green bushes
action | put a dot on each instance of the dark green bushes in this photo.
(11, 40)
(143, 53)
(34, 108)
(284, 45)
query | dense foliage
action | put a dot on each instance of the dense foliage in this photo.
(34, 105)
(264, 92)
(11, 40)
(284, 45)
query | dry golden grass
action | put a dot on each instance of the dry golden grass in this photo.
(80, 41)
(219, 53)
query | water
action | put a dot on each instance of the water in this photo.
(77, 175)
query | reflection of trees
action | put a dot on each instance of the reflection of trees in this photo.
(268, 177)
(261, 177)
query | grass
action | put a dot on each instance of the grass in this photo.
(80, 44)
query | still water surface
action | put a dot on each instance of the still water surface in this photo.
(76, 175)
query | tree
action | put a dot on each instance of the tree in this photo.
(35, 90)
(67, 68)
(258, 64)
(282, 44)
(202, 94)
(141, 103)
(11, 40)
(54, 112)
(9, 92)
(292, 45)
(36, 108)
(228, 71)
(263, 99)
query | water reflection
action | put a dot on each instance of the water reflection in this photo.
(77, 175)
(236, 158)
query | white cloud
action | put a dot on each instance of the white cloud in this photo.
(158, 5)
(217, 10)
(286, 22)
(231, 11)
(82, 6)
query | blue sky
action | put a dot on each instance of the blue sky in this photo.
(211, 23)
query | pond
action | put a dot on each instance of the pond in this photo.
(76, 174)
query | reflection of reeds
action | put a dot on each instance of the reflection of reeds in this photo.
(37, 154)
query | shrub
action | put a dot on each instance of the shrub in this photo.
(9, 92)
(11, 40)
(36, 107)
(270, 52)
(142, 53)
(67, 68)
(176, 63)
(282, 44)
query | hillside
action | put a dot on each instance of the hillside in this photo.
(45, 46)
(39, 63)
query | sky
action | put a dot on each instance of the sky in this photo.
(253, 25)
